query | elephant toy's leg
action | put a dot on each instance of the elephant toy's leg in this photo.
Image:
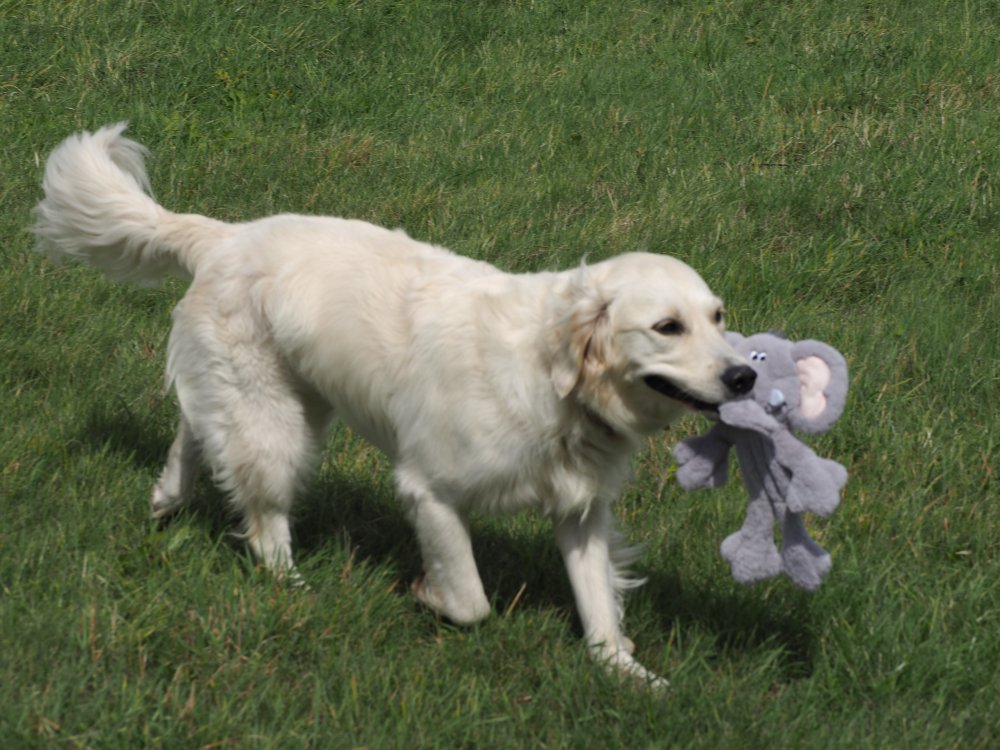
(751, 552)
(803, 560)
(702, 461)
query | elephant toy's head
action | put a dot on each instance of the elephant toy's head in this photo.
(800, 383)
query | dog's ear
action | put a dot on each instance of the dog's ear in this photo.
(581, 343)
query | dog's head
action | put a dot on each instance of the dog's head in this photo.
(640, 340)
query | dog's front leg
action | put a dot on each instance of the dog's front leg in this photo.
(450, 584)
(585, 543)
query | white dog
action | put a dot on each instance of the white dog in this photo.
(488, 391)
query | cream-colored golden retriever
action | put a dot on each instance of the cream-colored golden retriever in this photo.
(489, 391)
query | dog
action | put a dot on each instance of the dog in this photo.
(489, 391)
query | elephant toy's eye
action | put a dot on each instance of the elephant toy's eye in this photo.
(756, 356)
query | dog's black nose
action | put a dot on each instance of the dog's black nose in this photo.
(740, 379)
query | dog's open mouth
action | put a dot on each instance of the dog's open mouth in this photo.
(668, 389)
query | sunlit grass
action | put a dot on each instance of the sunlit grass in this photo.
(829, 168)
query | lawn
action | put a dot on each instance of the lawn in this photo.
(829, 168)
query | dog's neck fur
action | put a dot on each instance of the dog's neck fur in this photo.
(609, 433)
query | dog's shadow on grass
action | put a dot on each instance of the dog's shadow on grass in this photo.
(117, 429)
(520, 567)
(740, 620)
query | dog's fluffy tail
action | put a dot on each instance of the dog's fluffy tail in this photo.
(98, 209)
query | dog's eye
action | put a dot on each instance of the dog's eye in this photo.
(720, 316)
(669, 327)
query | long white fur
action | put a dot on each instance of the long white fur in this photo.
(489, 391)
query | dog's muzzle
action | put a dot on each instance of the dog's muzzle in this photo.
(670, 390)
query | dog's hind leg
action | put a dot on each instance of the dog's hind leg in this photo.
(255, 427)
(262, 459)
(176, 482)
(450, 584)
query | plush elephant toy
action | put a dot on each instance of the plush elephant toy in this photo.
(801, 387)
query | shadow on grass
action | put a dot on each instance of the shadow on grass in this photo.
(522, 568)
(742, 621)
(519, 567)
(117, 429)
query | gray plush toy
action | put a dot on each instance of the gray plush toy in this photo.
(801, 386)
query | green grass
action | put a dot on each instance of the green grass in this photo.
(828, 167)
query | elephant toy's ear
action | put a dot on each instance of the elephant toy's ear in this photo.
(734, 339)
(822, 386)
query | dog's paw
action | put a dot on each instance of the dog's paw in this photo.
(162, 503)
(457, 611)
(294, 580)
(620, 662)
